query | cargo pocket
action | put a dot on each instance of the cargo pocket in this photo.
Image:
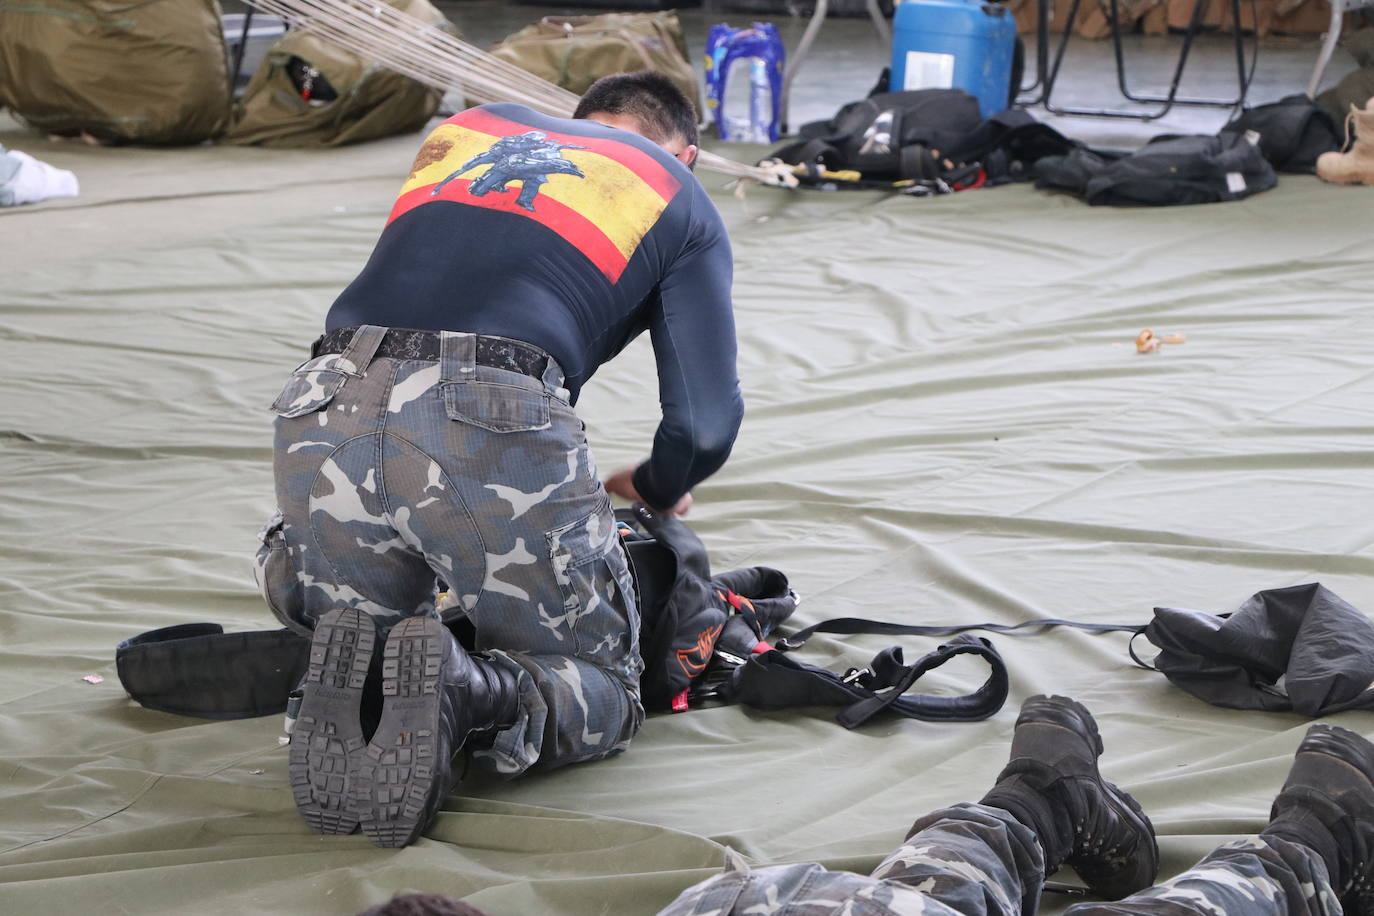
(277, 579)
(313, 385)
(598, 599)
(496, 407)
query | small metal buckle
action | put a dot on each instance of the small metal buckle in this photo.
(729, 658)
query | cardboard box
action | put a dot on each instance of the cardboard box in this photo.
(1310, 18)
(1306, 18)
(1249, 24)
(1180, 14)
(1092, 21)
(1156, 21)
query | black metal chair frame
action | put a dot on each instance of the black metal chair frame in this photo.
(1047, 74)
(238, 51)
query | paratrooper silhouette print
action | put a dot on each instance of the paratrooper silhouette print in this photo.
(599, 194)
(528, 158)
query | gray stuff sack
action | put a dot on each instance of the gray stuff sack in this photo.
(1298, 649)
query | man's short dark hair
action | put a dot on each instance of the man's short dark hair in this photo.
(650, 98)
(422, 905)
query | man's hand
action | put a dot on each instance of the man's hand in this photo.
(622, 484)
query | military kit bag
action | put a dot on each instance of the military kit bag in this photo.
(309, 92)
(575, 51)
(127, 71)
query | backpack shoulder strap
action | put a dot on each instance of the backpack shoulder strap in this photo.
(773, 680)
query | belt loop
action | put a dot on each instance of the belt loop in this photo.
(553, 379)
(457, 356)
(360, 350)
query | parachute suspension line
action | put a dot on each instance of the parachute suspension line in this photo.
(380, 33)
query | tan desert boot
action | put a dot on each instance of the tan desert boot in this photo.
(1356, 165)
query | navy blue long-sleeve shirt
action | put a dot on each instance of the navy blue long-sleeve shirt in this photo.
(575, 237)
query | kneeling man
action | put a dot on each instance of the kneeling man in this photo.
(431, 436)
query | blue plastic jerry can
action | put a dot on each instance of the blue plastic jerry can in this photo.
(955, 44)
(759, 50)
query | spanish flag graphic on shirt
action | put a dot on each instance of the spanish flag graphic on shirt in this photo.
(601, 196)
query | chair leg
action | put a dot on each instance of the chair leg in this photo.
(1333, 34)
(875, 13)
(794, 61)
(238, 51)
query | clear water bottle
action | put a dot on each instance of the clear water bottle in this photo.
(743, 74)
(760, 101)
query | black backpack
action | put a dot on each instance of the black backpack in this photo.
(924, 135)
(1167, 171)
(888, 135)
(1293, 132)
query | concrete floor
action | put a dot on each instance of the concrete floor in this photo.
(848, 55)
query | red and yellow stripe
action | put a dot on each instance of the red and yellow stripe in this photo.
(604, 215)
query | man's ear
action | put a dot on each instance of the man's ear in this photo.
(688, 157)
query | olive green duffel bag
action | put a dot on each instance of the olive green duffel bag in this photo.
(309, 92)
(147, 71)
(576, 51)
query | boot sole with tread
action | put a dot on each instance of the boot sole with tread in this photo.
(400, 766)
(327, 740)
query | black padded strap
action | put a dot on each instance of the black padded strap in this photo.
(196, 669)
(971, 707)
(773, 680)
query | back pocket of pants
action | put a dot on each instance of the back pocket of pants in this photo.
(496, 407)
(311, 387)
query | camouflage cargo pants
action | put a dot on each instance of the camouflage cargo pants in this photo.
(1265, 876)
(391, 473)
(971, 860)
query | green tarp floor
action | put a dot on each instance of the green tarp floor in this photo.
(947, 421)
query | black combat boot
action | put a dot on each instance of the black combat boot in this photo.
(1327, 805)
(436, 697)
(1052, 785)
(329, 736)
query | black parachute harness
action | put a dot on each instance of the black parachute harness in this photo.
(712, 638)
(706, 638)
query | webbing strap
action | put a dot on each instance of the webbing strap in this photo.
(849, 626)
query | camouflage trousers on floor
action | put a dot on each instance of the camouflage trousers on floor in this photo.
(967, 860)
(1263, 876)
(392, 473)
(971, 860)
